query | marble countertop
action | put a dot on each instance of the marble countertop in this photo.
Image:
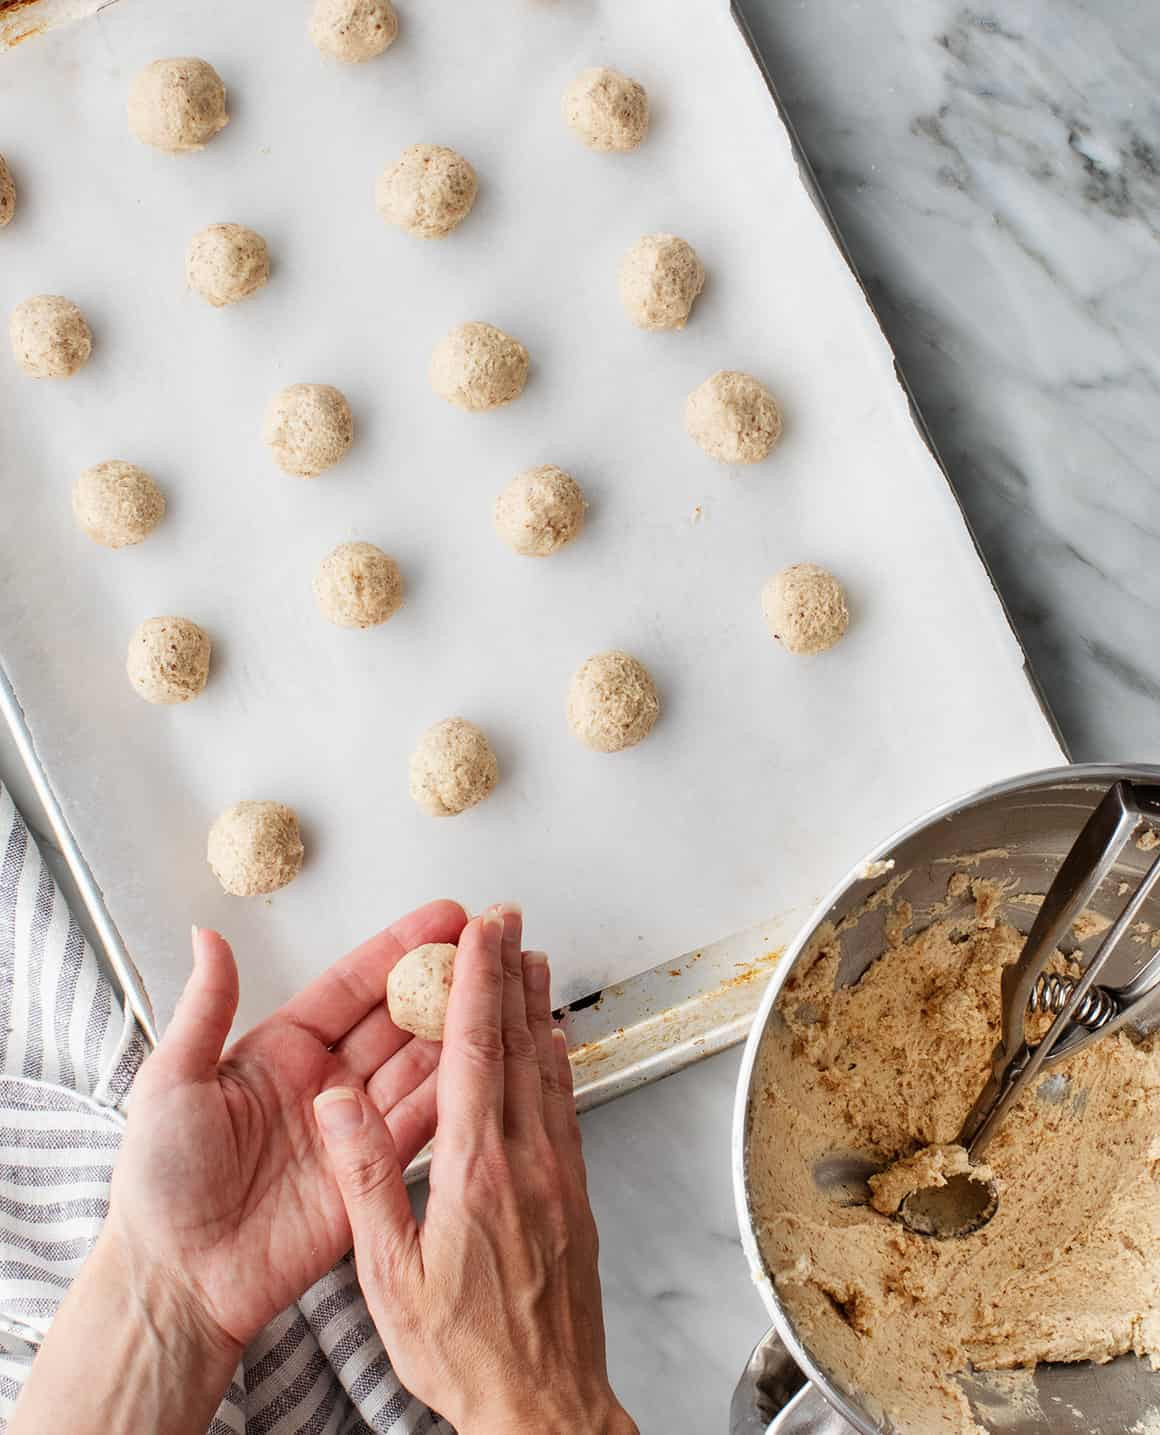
(997, 177)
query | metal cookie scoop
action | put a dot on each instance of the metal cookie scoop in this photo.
(1084, 1011)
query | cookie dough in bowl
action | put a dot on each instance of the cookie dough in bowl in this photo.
(255, 847)
(419, 988)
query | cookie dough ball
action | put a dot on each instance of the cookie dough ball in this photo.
(478, 367)
(255, 847)
(353, 30)
(358, 585)
(117, 503)
(453, 768)
(606, 110)
(50, 338)
(612, 702)
(177, 105)
(659, 278)
(805, 608)
(428, 191)
(168, 660)
(419, 988)
(309, 427)
(226, 262)
(7, 193)
(733, 417)
(539, 511)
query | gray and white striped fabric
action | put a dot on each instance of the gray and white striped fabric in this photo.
(70, 1051)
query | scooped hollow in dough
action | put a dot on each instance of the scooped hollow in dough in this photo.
(805, 608)
(50, 337)
(478, 367)
(539, 511)
(353, 30)
(255, 847)
(606, 110)
(428, 191)
(358, 586)
(177, 105)
(168, 660)
(612, 702)
(419, 989)
(659, 279)
(7, 193)
(117, 504)
(308, 428)
(226, 262)
(733, 417)
(452, 768)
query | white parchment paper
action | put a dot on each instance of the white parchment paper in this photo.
(766, 776)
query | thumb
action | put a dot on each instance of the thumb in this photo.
(369, 1176)
(193, 1041)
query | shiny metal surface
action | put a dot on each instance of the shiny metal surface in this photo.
(1018, 832)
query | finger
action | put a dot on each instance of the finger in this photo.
(538, 1000)
(569, 1127)
(523, 1111)
(332, 1004)
(400, 1074)
(412, 1122)
(192, 1044)
(369, 1176)
(371, 1042)
(471, 1069)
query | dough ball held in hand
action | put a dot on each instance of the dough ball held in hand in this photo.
(177, 105)
(733, 417)
(419, 989)
(612, 702)
(659, 279)
(428, 191)
(453, 768)
(539, 511)
(358, 586)
(805, 608)
(50, 337)
(117, 504)
(478, 367)
(606, 110)
(168, 660)
(7, 193)
(353, 30)
(255, 847)
(309, 428)
(225, 263)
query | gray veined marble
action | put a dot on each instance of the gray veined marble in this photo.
(996, 172)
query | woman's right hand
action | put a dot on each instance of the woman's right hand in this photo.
(491, 1310)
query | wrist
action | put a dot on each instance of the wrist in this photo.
(548, 1413)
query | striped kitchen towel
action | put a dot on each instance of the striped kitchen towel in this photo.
(70, 1051)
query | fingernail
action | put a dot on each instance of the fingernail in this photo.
(511, 909)
(537, 977)
(493, 926)
(338, 1111)
(194, 934)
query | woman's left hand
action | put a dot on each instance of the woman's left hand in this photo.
(222, 1186)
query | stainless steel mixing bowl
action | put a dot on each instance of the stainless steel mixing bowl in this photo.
(1023, 829)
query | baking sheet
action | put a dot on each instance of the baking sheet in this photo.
(765, 778)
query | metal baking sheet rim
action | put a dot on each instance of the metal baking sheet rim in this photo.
(630, 1034)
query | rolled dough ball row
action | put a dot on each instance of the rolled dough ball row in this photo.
(117, 504)
(50, 337)
(168, 660)
(177, 105)
(419, 989)
(353, 30)
(7, 193)
(255, 847)
(805, 608)
(226, 262)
